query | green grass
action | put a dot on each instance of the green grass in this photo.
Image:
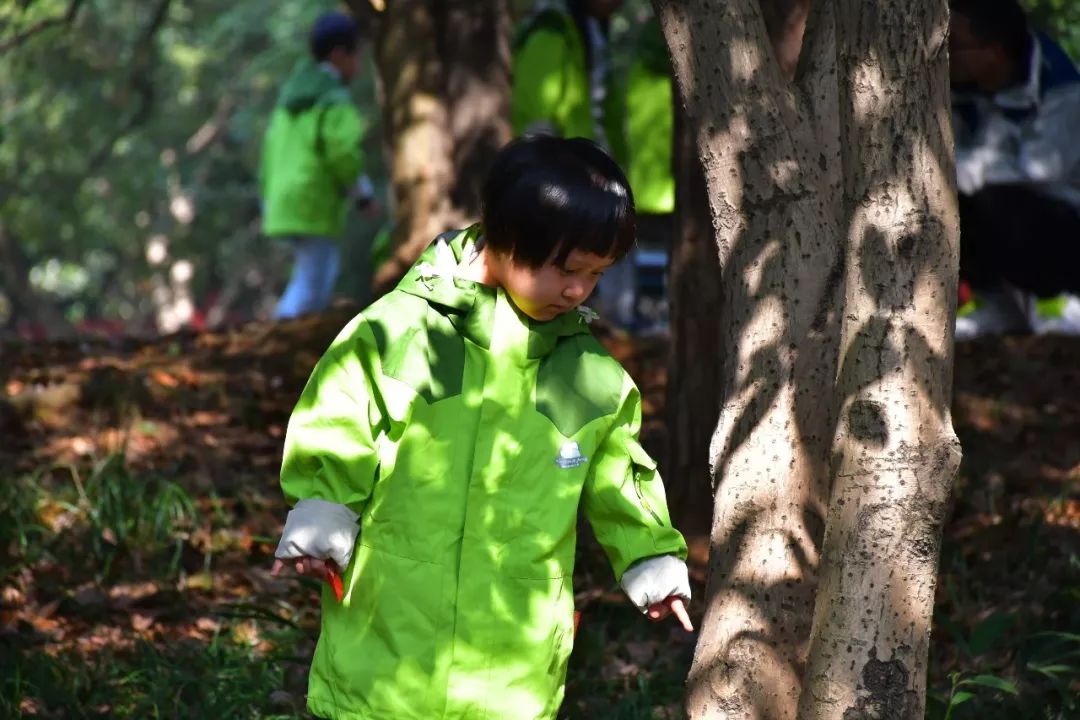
(1021, 664)
(222, 679)
(606, 680)
(114, 526)
(111, 526)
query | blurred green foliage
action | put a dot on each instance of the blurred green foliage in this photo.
(138, 124)
(134, 128)
(1059, 18)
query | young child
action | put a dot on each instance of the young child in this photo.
(444, 444)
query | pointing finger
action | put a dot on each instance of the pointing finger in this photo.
(679, 608)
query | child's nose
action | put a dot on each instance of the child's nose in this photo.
(574, 291)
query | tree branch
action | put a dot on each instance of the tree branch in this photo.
(210, 130)
(20, 37)
(140, 81)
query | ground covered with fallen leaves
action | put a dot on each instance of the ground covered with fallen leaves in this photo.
(139, 511)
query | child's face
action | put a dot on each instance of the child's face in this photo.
(346, 62)
(550, 290)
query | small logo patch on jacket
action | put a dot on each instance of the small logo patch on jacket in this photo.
(570, 456)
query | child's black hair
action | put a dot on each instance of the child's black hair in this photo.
(1001, 22)
(333, 30)
(546, 197)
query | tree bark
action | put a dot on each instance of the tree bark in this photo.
(444, 66)
(771, 159)
(476, 49)
(838, 273)
(896, 453)
(785, 21)
(693, 394)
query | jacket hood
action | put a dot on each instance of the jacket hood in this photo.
(310, 85)
(470, 305)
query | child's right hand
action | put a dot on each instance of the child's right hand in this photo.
(312, 567)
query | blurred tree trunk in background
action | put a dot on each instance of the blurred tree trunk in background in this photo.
(27, 306)
(696, 357)
(833, 214)
(444, 69)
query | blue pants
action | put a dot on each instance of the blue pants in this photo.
(315, 269)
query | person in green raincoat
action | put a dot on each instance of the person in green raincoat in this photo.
(311, 165)
(650, 123)
(650, 130)
(562, 83)
(444, 444)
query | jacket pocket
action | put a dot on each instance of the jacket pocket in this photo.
(643, 470)
(379, 647)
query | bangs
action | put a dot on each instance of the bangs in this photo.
(547, 197)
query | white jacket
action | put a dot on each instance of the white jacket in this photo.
(1026, 134)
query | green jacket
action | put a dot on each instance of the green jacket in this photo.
(551, 83)
(650, 121)
(466, 437)
(311, 155)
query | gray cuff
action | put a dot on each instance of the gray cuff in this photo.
(655, 579)
(319, 529)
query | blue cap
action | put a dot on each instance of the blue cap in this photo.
(332, 30)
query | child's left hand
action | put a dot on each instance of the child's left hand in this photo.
(673, 604)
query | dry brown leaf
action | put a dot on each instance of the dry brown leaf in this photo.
(208, 624)
(141, 621)
(163, 378)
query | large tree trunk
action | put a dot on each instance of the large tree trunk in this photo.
(772, 172)
(809, 237)
(896, 453)
(693, 396)
(444, 66)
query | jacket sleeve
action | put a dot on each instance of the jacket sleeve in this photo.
(342, 132)
(990, 157)
(1049, 153)
(330, 451)
(624, 498)
(539, 82)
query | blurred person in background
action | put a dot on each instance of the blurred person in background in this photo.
(563, 85)
(650, 143)
(311, 164)
(1016, 107)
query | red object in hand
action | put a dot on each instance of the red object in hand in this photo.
(334, 578)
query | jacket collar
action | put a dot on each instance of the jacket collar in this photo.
(1025, 95)
(469, 305)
